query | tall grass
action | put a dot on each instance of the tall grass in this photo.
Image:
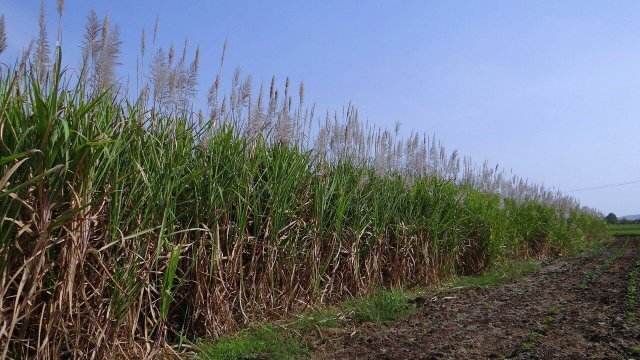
(126, 227)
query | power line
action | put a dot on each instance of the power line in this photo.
(605, 186)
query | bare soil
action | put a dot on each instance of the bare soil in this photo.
(551, 314)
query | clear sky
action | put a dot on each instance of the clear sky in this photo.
(550, 89)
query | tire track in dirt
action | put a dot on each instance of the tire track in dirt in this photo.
(595, 324)
(477, 323)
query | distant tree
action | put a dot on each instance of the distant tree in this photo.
(611, 218)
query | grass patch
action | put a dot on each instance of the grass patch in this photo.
(268, 341)
(630, 232)
(265, 341)
(381, 306)
(634, 350)
(623, 229)
(498, 274)
(318, 317)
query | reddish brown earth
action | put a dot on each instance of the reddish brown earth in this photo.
(571, 321)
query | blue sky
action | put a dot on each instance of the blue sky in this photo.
(550, 89)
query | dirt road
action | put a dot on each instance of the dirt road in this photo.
(581, 307)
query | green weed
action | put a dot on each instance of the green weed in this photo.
(534, 335)
(528, 346)
(319, 317)
(634, 350)
(381, 306)
(498, 274)
(261, 342)
(543, 327)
